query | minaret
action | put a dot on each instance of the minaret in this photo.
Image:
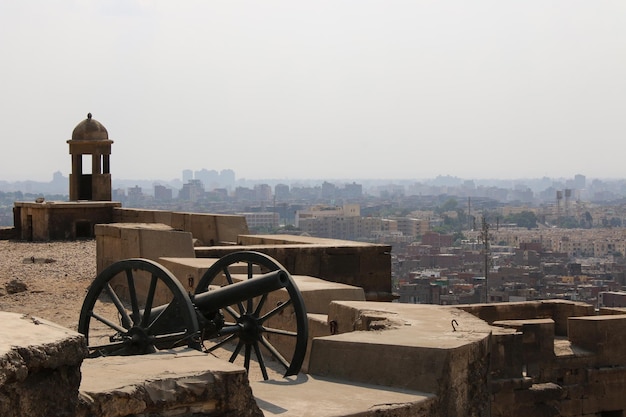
(90, 139)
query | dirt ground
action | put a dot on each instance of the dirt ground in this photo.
(56, 274)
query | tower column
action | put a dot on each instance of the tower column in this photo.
(77, 171)
(95, 164)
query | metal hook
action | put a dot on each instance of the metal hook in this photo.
(333, 327)
(453, 322)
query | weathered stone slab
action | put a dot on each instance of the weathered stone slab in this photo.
(39, 367)
(181, 382)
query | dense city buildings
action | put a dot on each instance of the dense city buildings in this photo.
(544, 239)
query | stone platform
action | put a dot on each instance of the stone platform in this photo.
(187, 382)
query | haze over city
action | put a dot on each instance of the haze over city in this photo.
(325, 89)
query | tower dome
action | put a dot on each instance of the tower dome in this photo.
(90, 129)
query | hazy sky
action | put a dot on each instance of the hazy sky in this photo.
(317, 89)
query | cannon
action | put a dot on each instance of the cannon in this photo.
(246, 302)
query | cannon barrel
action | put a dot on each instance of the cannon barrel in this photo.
(169, 315)
(222, 297)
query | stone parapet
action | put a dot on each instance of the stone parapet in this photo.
(605, 336)
(358, 264)
(416, 347)
(557, 310)
(537, 344)
(7, 233)
(209, 229)
(168, 383)
(118, 241)
(39, 367)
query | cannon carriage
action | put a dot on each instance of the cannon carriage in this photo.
(246, 302)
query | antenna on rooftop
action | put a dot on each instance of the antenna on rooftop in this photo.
(484, 234)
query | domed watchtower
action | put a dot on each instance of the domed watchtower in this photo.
(90, 138)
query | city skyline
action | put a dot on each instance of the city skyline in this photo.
(337, 90)
(227, 180)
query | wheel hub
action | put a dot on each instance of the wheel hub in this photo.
(251, 330)
(138, 341)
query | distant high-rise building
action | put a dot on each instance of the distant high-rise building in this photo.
(329, 190)
(281, 192)
(580, 182)
(353, 190)
(210, 178)
(187, 175)
(263, 192)
(162, 193)
(191, 191)
(227, 178)
(244, 194)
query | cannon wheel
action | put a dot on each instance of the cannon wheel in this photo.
(248, 322)
(136, 306)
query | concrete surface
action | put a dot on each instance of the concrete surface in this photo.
(310, 396)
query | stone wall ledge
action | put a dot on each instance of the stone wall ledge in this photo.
(180, 382)
(425, 348)
(39, 367)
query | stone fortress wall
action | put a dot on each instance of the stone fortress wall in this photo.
(549, 358)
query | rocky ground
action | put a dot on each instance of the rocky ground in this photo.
(46, 279)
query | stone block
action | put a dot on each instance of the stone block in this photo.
(353, 263)
(119, 241)
(603, 335)
(557, 310)
(39, 367)
(154, 244)
(171, 383)
(318, 293)
(421, 351)
(537, 343)
(562, 310)
(506, 355)
(229, 228)
(571, 408)
(190, 271)
(203, 227)
(318, 327)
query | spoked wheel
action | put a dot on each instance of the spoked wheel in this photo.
(273, 325)
(136, 306)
